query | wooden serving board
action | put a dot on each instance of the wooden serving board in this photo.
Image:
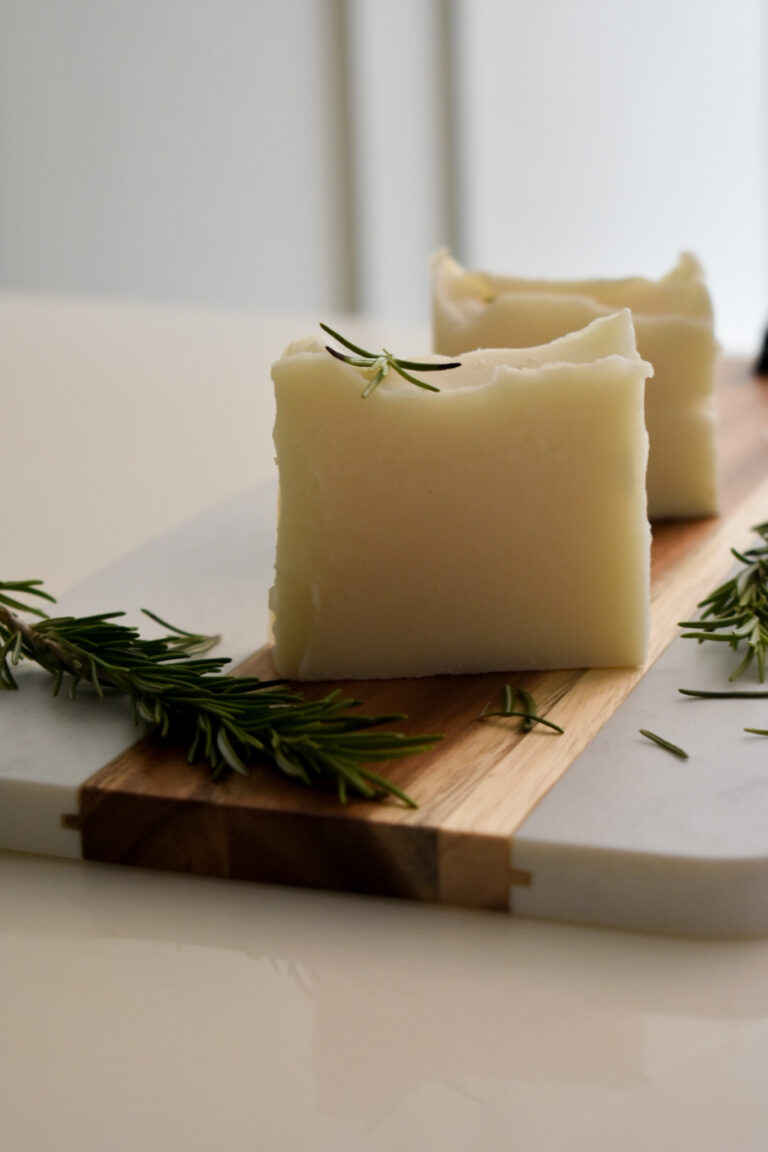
(474, 790)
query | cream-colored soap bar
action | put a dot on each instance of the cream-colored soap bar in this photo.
(674, 328)
(499, 524)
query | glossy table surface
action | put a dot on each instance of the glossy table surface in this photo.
(165, 1011)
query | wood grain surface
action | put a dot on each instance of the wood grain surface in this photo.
(149, 808)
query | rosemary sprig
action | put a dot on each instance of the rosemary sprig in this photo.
(378, 364)
(670, 747)
(179, 693)
(737, 612)
(527, 711)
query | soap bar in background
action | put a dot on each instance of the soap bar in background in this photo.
(498, 524)
(674, 327)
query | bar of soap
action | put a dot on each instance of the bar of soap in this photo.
(674, 327)
(499, 524)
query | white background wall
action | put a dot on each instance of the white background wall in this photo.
(604, 136)
(307, 155)
(182, 149)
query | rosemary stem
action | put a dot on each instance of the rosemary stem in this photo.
(46, 647)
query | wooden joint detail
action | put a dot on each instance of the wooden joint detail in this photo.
(474, 870)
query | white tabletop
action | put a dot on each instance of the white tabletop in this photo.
(154, 1011)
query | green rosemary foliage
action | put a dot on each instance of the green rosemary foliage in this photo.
(527, 711)
(179, 693)
(737, 612)
(378, 364)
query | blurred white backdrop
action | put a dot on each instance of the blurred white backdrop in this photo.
(307, 155)
(604, 137)
(190, 150)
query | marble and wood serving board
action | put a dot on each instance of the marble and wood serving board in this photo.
(595, 824)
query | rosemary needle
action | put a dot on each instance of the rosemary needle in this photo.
(378, 364)
(229, 721)
(670, 747)
(733, 694)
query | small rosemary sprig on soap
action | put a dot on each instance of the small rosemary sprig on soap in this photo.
(378, 364)
(179, 693)
(737, 612)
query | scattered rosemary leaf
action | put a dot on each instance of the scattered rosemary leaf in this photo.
(529, 706)
(732, 694)
(670, 747)
(527, 712)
